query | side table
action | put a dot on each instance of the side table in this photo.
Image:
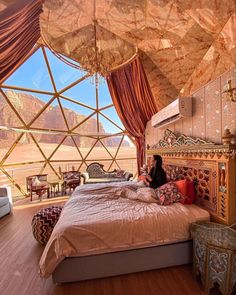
(214, 257)
(54, 188)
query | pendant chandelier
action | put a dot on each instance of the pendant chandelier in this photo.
(76, 29)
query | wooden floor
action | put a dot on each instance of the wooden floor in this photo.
(20, 254)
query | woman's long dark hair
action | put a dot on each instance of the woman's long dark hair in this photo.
(158, 164)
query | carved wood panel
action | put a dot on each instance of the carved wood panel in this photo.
(211, 166)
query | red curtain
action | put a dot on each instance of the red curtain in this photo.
(133, 100)
(19, 32)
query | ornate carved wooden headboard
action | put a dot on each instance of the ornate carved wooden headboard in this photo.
(211, 166)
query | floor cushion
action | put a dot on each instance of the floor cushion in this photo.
(44, 221)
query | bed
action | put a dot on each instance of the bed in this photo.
(100, 219)
(102, 232)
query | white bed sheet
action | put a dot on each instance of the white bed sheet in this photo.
(100, 218)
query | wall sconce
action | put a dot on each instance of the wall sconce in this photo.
(229, 91)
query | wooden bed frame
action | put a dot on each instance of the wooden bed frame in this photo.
(212, 168)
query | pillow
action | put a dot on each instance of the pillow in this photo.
(190, 193)
(76, 175)
(168, 194)
(120, 173)
(72, 175)
(145, 194)
(36, 181)
(182, 186)
(142, 177)
(69, 175)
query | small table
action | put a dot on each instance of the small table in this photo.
(214, 257)
(54, 188)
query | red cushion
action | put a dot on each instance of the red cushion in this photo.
(142, 177)
(190, 193)
(182, 186)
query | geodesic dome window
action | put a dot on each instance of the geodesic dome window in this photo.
(54, 117)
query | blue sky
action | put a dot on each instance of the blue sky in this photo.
(34, 74)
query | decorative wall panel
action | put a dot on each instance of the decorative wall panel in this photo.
(212, 113)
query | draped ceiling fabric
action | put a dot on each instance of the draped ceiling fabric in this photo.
(133, 101)
(19, 32)
(183, 44)
(79, 35)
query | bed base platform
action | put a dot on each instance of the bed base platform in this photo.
(117, 263)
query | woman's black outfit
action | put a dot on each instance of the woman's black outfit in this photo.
(158, 176)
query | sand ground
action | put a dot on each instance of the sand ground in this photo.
(30, 153)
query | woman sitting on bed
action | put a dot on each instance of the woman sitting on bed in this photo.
(157, 175)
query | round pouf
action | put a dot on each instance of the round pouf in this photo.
(43, 223)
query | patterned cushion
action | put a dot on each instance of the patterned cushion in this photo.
(168, 194)
(120, 173)
(109, 175)
(72, 175)
(44, 221)
(75, 181)
(200, 176)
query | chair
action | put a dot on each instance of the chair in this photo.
(37, 184)
(5, 201)
(71, 179)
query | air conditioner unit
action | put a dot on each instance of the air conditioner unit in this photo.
(180, 108)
